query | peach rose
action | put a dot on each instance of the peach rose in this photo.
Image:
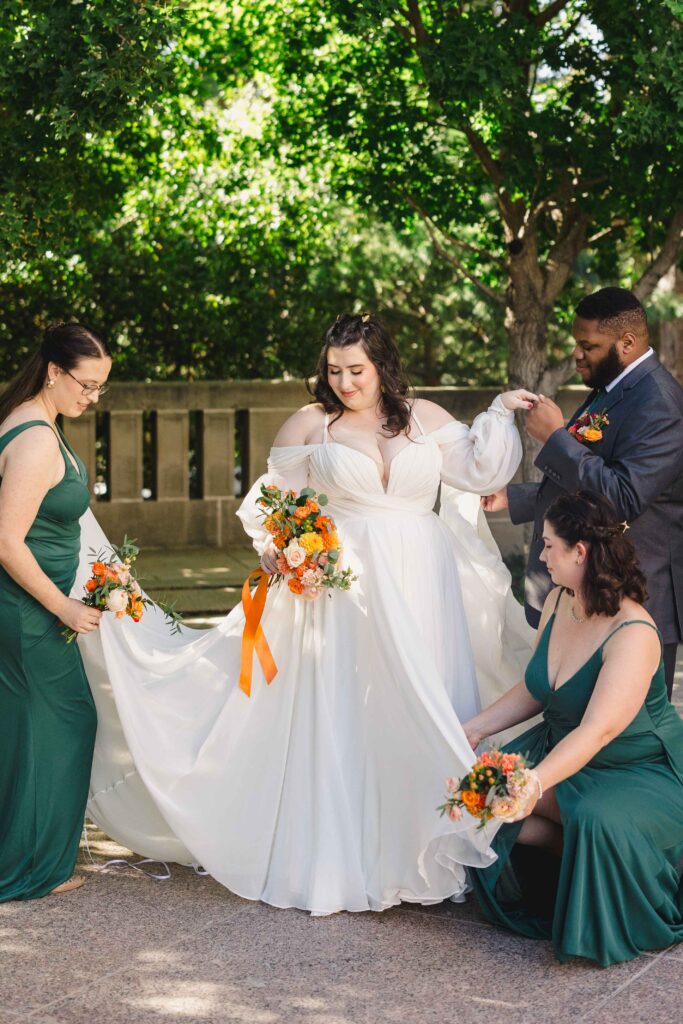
(505, 807)
(295, 554)
(454, 813)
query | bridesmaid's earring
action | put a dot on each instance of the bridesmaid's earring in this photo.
(50, 383)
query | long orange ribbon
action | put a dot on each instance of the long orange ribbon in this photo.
(253, 638)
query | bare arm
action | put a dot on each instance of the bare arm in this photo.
(631, 660)
(515, 706)
(31, 468)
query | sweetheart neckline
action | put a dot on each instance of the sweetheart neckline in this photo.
(389, 465)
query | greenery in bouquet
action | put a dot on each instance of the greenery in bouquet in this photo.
(495, 787)
(309, 550)
(113, 587)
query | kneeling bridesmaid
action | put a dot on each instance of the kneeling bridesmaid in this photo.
(592, 861)
(47, 714)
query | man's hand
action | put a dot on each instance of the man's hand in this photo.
(544, 419)
(495, 502)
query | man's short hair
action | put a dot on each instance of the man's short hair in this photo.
(616, 310)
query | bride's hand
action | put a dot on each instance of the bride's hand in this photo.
(520, 399)
(269, 559)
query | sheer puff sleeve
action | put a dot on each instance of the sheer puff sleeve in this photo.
(484, 457)
(288, 470)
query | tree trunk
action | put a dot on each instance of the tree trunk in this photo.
(527, 331)
(670, 332)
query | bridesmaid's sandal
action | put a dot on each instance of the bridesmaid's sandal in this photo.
(75, 882)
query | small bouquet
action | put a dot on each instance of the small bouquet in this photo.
(588, 428)
(307, 541)
(495, 787)
(113, 587)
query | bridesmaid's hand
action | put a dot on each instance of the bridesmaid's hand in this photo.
(520, 399)
(473, 735)
(79, 616)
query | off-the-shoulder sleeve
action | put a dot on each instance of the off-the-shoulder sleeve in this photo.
(484, 457)
(288, 470)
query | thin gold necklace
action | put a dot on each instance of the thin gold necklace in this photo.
(574, 615)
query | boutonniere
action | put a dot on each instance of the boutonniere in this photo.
(588, 428)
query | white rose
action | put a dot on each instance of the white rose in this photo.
(295, 554)
(117, 600)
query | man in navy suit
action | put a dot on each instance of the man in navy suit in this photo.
(637, 462)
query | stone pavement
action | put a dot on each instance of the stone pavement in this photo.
(125, 949)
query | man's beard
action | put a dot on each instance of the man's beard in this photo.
(606, 371)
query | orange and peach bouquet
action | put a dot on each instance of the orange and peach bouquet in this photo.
(308, 545)
(113, 587)
(496, 787)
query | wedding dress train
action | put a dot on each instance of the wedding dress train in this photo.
(320, 790)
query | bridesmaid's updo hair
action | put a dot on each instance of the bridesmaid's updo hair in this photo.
(367, 330)
(612, 570)
(63, 344)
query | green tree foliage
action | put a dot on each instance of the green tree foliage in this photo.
(213, 181)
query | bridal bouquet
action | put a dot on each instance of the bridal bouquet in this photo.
(113, 587)
(495, 787)
(307, 542)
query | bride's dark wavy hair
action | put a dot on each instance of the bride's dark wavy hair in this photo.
(381, 349)
(612, 570)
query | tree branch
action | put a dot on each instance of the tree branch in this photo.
(422, 37)
(555, 376)
(491, 293)
(562, 256)
(549, 12)
(457, 242)
(513, 212)
(664, 260)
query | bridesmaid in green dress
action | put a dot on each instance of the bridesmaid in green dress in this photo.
(593, 859)
(47, 715)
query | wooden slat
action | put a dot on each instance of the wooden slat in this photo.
(173, 454)
(125, 455)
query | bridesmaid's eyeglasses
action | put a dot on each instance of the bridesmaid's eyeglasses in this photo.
(90, 389)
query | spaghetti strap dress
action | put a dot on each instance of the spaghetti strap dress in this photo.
(617, 891)
(47, 714)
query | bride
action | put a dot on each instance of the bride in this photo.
(320, 790)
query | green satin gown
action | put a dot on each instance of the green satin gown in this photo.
(47, 714)
(617, 890)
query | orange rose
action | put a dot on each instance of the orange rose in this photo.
(470, 800)
(98, 568)
(296, 586)
(591, 434)
(91, 585)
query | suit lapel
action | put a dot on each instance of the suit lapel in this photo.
(611, 398)
(582, 408)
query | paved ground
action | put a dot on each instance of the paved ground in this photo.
(128, 950)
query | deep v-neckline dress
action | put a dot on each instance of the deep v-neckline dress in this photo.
(619, 890)
(47, 715)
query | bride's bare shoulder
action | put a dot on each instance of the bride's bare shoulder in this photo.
(431, 415)
(303, 427)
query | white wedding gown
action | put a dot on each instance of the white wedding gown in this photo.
(320, 790)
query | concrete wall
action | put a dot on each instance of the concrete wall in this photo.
(150, 430)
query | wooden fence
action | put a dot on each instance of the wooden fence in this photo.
(169, 461)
